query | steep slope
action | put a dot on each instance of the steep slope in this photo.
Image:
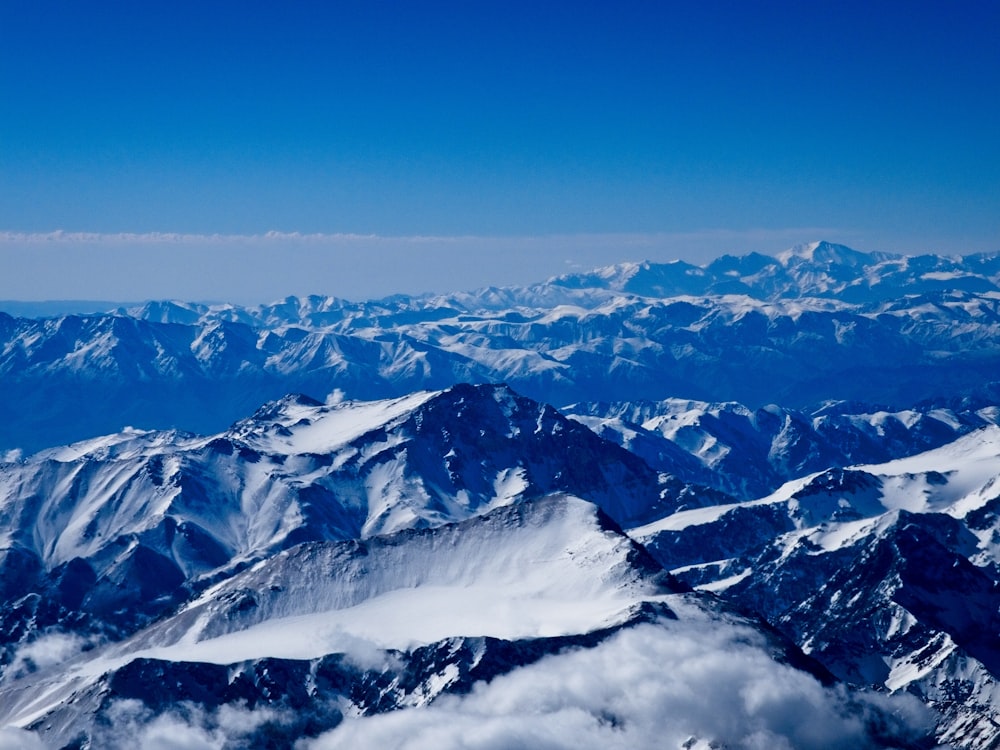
(112, 533)
(327, 631)
(887, 574)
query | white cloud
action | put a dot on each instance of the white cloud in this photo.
(187, 727)
(651, 686)
(48, 650)
(171, 238)
(12, 738)
(627, 239)
(677, 684)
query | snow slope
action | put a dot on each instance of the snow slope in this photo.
(886, 573)
(543, 576)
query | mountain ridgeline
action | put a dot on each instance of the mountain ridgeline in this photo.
(816, 324)
(754, 503)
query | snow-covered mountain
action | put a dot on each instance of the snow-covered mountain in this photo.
(751, 452)
(887, 574)
(327, 637)
(118, 530)
(819, 323)
(817, 269)
(764, 514)
(320, 561)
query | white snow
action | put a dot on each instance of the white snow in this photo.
(947, 275)
(970, 467)
(724, 583)
(701, 516)
(403, 619)
(324, 429)
(970, 464)
(553, 572)
(915, 666)
(508, 486)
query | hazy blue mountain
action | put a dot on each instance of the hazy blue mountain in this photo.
(818, 323)
(57, 308)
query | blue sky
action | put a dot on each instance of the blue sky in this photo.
(469, 143)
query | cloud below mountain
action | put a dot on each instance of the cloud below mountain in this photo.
(650, 686)
(674, 684)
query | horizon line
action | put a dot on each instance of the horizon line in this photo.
(796, 235)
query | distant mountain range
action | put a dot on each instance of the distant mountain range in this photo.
(819, 323)
(750, 504)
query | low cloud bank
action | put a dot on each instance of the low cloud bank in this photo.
(188, 727)
(48, 650)
(683, 685)
(678, 686)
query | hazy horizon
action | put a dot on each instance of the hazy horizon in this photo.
(453, 145)
(263, 268)
(260, 269)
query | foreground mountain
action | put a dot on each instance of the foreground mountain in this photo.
(492, 611)
(356, 599)
(112, 533)
(448, 563)
(318, 563)
(819, 323)
(886, 574)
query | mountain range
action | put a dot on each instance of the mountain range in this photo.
(747, 504)
(819, 323)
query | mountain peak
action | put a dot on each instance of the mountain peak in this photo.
(822, 252)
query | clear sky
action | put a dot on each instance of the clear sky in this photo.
(436, 145)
